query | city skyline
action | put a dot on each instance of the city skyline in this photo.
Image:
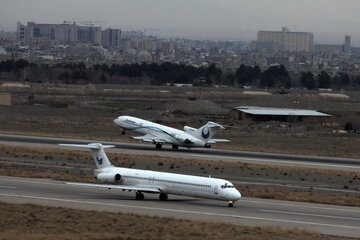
(329, 20)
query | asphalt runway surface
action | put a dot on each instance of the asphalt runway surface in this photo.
(327, 219)
(208, 154)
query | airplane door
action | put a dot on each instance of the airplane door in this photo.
(216, 189)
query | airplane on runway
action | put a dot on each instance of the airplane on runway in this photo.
(162, 183)
(160, 134)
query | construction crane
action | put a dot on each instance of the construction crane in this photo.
(87, 23)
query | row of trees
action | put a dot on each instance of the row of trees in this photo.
(274, 76)
(324, 80)
(161, 74)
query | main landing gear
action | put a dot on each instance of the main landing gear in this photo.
(175, 147)
(163, 197)
(231, 204)
(158, 146)
(139, 196)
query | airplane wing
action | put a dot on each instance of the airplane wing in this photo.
(217, 140)
(150, 138)
(133, 188)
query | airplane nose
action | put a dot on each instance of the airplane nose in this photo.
(117, 120)
(236, 195)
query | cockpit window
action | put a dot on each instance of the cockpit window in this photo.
(227, 186)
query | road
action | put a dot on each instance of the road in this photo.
(209, 154)
(327, 219)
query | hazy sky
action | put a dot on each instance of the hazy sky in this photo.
(330, 20)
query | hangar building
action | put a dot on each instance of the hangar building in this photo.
(262, 114)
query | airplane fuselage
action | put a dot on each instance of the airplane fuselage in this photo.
(177, 184)
(168, 134)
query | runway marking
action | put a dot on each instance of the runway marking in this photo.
(242, 200)
(301, 206)
(279, 161)
(181, 211)
(87, 194)
(309, 214)
(9, 187)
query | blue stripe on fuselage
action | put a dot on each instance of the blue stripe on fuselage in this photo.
(148, 127)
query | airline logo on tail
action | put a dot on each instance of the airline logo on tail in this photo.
(99, 160)
(205, 133)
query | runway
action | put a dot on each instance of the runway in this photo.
(327, 219)
(208, 154)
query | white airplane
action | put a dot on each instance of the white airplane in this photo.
(163, 183)
(160, 134)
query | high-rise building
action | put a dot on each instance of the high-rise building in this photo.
(35, 32)
(288, 41)
(329, 48)
(347, 45)
(335, 48)
(89, 34)
(111, 38)
(66, 33)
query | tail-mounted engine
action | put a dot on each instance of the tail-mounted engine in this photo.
(109, 177)
(189, 130)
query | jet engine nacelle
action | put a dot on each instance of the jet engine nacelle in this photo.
(189, 130)
(109, 177)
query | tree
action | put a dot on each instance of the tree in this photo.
(307, 80)
(324, 80)
(103, 78)
(275, 76)
(245, 75)
(357, 80)
(344, 79)
(341, 80)
(213, 74)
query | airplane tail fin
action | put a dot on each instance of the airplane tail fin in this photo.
(97, 150)
(207, 131)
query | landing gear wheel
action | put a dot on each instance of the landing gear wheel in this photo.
(139, 196)
(175, 147)
(231, 204)
(158, 146)
(163, 197)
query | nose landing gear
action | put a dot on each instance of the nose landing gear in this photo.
(231, 204)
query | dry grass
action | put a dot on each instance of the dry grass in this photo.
(128, 160)
(40, 173)
(95, 122)
(31, 222)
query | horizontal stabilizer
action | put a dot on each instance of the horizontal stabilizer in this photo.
(90, 145)
(217, 141)
(133, 188)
